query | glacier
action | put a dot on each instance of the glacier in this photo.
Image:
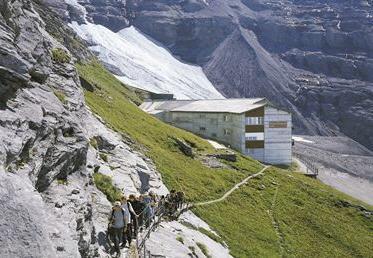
(140, 62)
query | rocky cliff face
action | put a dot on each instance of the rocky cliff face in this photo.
(313, 57)
(49, 204)
(42, 142)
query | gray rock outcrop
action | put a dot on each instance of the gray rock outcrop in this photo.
(49, 204)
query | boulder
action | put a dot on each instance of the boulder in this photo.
(184, 147)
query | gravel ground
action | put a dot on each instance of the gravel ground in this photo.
(343, 164)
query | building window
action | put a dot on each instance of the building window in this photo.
(227, 132)
(202, 128)
(213, 135)
(252, 138)
(202, 116)
(226, 118)
(255, 120)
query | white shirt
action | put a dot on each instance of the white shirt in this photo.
(127, 207)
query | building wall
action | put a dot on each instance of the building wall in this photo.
(223, 127)
(254, 133)
(277, 136)
(263, 133)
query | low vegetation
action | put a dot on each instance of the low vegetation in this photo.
(104, 157)
(279, 214)
(180, 239)
(105, 184)
(114, 103)
(293, 216)
(204, 231)
(93, 143)
(61, 96)
(60, 56)
(204, 249)
(62, 181)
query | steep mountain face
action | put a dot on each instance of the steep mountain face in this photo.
(41, 141)
(312, 57)
(51, 145)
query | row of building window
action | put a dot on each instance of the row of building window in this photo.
(226, 131)
(259, 136)
(226, 118)
(255, 120)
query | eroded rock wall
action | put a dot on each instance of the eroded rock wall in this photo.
(49, 204)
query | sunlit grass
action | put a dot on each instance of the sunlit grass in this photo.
(310, 221)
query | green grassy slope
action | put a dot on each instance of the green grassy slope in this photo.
(310, 219)
(110, 101)
(304, 219)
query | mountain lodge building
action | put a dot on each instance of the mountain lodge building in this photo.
(252, 126)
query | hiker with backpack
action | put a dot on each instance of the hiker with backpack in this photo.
(117, 224)
(130, 215)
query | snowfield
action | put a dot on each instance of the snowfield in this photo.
(140, 62)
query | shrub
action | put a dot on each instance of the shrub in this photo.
(105, 185)
(60, 56)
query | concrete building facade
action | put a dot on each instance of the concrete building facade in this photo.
(252, 126)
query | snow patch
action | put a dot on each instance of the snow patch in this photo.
(142, 63)
(301, 139)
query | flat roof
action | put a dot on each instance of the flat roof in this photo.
(236, 106)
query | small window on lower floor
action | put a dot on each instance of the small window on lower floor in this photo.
(202, 128)
(213, 135)
(252, 138)
(227, 132)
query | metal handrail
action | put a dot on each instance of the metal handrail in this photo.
(158, 215)
(308, 162)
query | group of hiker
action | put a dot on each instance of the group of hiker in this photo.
(133, 214)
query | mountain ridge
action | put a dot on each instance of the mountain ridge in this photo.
(306, 39)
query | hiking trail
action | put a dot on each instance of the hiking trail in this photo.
(275, 224)
(234, 188)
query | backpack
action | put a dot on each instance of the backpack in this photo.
(112, 215)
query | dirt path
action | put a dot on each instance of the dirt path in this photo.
(234, 188)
